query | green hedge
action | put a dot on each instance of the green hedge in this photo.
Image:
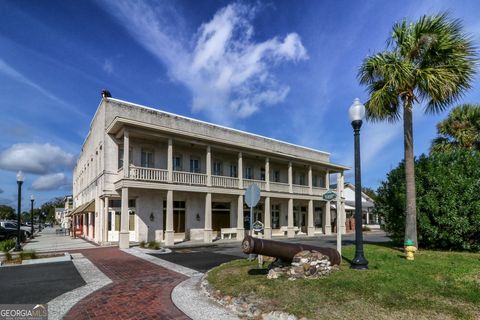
(6, 245)
(448, 201)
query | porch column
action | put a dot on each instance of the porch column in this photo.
(124, 236)
(367, 216)
(310, 226)
(207, 233)
(267, 232)
(327, 179)
(240, 174)
(105, 219)
(290, 232)
(126, 154)
(169, 233)
(240, 229)
(267, 174)
(310, 181)
(290, 179)
(209, 166)
(327, 221)
(170, 160)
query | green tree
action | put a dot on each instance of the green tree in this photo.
(430, 61)
(49, 208)
(448, 204)
(461, 129)
(7, 212)
(369, 192)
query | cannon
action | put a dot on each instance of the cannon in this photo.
(285, 251)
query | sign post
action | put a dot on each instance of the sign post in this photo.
(252, 196)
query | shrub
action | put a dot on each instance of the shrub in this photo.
(8, 256)
(365, 228)
(6, 245)
(29, 254)
(154, 245)
(142, 244)
(448, 205)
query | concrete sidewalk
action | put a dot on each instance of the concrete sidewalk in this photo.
(48, 240)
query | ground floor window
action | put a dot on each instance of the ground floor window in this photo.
(299, 216)
(257, 215)
(178, 216)
(275, 216)
(220, 215)
(318, 217)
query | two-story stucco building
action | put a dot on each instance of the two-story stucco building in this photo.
(146, 174)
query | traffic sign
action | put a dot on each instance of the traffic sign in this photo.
(252, 195)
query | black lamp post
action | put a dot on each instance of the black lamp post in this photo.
(357, 113)
(32, 199)
(18, 247)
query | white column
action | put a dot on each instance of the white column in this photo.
(169, 232)
(240, 173)
(105, 219)
(327, 179)
(310, 180)
(290, 232)
(268, 219)
(267, 174)
(124, 236)
(367, 216)
(240, 229)
(342, 203)
(207, 233)
(209, 166)
(327, 221)
(310, 226)
(126, 154)
(290, 179)
(170, 160)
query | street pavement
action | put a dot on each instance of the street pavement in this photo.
(205, 258)
(38, 283)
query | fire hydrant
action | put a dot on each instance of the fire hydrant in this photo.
(410, 249)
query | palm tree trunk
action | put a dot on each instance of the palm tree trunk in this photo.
(411, 205)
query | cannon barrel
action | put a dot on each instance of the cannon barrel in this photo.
(285, 251)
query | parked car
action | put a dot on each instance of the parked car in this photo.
(13, 225)
(8, 233)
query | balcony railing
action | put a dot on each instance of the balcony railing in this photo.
(260, 183)
(190, 178)
(224, 182)
(279, 187)
(150, 174)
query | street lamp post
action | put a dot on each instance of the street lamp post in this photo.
(32, 199)
(357, 113)
(18, 247)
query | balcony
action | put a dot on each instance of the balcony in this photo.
(200, 179)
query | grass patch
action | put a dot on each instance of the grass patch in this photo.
(6, 245)
(436, 285)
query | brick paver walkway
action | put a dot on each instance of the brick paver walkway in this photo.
(140, 289)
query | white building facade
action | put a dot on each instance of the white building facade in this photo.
(145, 175)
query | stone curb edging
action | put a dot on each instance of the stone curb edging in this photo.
(191, 300)
(94, 278)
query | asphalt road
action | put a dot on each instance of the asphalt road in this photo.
(205, 258)
(37, 283)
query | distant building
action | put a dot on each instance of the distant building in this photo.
(368, 217)
(59, 214)
(145, 174)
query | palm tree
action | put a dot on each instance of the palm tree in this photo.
(432, 61)
(461, 129)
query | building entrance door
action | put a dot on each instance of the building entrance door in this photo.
(220, 215)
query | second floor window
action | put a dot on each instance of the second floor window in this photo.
(120, 157)
(315, 181)
(276, 176)
(147, 160)
(301, 179)
(217, 168)
(262, 174)
(248, 173)
(194, 165)
(233, 170)
(177, 163)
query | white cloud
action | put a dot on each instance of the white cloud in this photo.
(50, 182)
(108, 66)
(229, 75)
(36, 158)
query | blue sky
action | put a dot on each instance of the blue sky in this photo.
(283, 69)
